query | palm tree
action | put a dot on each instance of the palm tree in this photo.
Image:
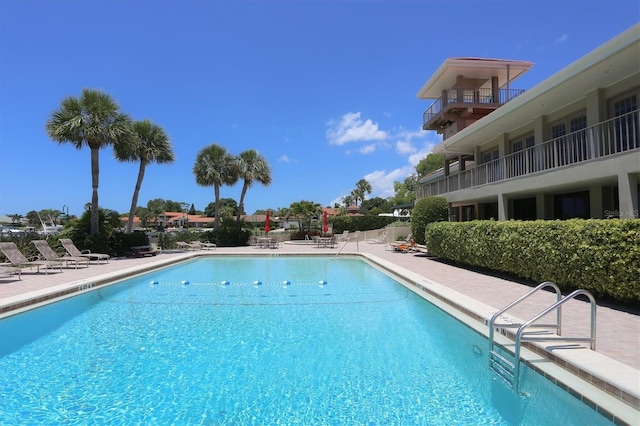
(94, 120)
(148, 144)
(252, 167)
(362, 187)
(215, 167)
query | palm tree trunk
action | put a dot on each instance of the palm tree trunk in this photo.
(216, 190)
(134, 200)
(241, 205)
(95, 172)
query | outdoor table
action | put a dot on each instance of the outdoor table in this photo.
(264, 242)
(141, 251)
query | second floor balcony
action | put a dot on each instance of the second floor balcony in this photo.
(470, 103)
(611, 137)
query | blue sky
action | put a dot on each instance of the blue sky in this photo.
(325, 90)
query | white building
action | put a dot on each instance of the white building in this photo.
(568, 147)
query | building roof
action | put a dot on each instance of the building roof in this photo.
(445, 76)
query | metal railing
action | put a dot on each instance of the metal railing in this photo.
(509, 369)
(521, 338)
(614, 136)
(470, 96)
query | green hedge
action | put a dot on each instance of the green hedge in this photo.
(360, 223)
(601, 256)
(425, 211)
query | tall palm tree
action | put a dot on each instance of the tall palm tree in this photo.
(94, 120)
(362, 187)
(215, 167)
(148, 144)
(252, 167)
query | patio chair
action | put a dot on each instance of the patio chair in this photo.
(274, 243)
(71, 248)
(48, 254)
(381, 239)
(343, 237)
(9, 271)
(19, 260)
(404, 246)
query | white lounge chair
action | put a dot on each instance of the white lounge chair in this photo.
(381, 239)
(71, 248)
(48, 254)
(19, 260)
(10, 270)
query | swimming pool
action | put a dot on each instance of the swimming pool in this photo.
(302, 340)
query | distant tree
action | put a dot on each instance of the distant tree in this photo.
(251, 167)
(304, 211)
(228, 203)
(156, 208)
(32, 216)
(429, 164)
(92, 120)
(362, 188)
(192, 210)
(173, 206)
(145, 216)
(378, 204)
(148, 144)
(215, 167)
(15, 218)
(347, 200)
(404, 191)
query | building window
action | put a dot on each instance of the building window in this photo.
(572, 147)
(468, 213)
(578, 145)
(492, 167)
(525, 209)
(520, 162)
(627, 133)
(489, 211)
(571, 205)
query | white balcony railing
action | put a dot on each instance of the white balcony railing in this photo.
(469, 96)
(619, 134)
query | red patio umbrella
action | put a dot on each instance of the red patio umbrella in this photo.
(267, 228)
(325, 222)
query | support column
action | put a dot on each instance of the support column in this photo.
(596, 210)
(628, 195)
(503, 207)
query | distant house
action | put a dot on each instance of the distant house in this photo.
(175, 220)
(567, 148)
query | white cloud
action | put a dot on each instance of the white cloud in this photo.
(382, 182)
(368, 149)
(351, 128)
(404, 148)
(561, 39)
(285, 159)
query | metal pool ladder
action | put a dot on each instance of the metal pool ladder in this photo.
(506, 364)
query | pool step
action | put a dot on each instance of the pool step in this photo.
(502, 366)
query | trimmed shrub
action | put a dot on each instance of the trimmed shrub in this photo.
(601, 256)
(359, 223)
(425, 211)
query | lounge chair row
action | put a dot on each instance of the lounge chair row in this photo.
(196, 245)
(48, 258)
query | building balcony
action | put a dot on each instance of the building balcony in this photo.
(611, 137)
(466, 103)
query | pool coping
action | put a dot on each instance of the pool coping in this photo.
(599, 378)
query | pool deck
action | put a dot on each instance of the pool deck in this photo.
(618, 332)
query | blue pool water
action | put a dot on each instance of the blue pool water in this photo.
(301, 340)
